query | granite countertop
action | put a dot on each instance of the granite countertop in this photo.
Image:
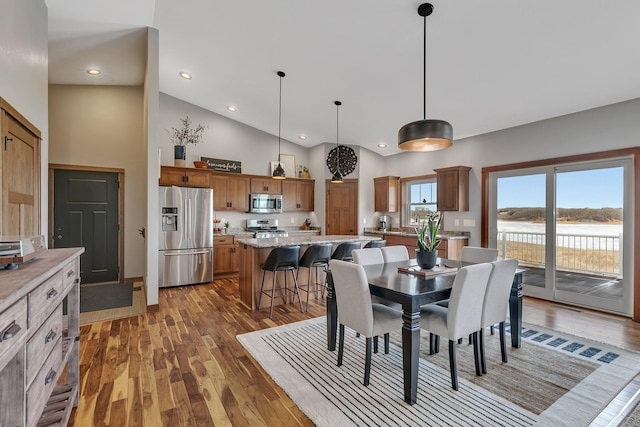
(443, 235)
(238, 232)
(303, 240)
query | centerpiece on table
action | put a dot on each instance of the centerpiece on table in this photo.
(427, 253)
(182, 136)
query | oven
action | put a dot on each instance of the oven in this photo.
(265, 203)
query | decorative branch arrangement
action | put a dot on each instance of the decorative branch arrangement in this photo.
(186, 134)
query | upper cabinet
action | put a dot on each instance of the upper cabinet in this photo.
(230, 192)
(386, 193)
(184, 177)
(20, 173)
(297, 195)
(266, 186)
(453, 188)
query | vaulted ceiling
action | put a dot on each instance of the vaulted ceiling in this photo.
(490, 65)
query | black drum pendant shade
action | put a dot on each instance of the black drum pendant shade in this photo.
(425, 135)
(278, 173)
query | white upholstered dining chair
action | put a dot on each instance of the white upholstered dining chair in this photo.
(461, 318)
(496, 303)
(395, 253)
(367, 256)
(356, 310)
(477, 255)
(370, 256)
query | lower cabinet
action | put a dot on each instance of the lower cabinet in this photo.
(39, 347)
(225, 256)
(448, 248)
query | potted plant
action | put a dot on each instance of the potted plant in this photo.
(226, 227)
(427, 253)
(182, 136)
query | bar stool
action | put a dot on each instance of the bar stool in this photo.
(343, 251)
(281, 259)
(376, 244)
(316, 256)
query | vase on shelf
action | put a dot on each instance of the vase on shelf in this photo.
(426, 259)
(180, 156)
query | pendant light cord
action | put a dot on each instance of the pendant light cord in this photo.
(424, 63)
(281, 75)
(338, 104)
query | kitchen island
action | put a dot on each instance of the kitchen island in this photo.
(253, 252)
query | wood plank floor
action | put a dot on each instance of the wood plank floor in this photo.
(183, 366)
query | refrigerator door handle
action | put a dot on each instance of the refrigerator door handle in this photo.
(167, 253)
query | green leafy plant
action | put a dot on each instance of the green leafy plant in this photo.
(226, 224)
(427, 235)
(186, 134)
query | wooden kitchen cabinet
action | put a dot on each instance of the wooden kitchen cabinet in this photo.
(19, 174)
(409, 241)
(230, 193)
(298, 195)
(453, 188)
(386, 193)
(225, 256)
(266, 186)
(184, 177)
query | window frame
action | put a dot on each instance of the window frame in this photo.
(405, 184)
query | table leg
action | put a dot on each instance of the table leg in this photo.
(410, 354)
(332, 313)
(515, 311)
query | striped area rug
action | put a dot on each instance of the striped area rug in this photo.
(296, 357)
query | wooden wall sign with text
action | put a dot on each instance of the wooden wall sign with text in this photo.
(222, 165)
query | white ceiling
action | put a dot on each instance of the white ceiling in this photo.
(491, 65)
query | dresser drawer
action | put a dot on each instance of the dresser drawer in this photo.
(42, 342)
(13, 329)
(44, 299)
(70, 273)
(40, 389)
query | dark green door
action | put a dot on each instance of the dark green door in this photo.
(85, 214)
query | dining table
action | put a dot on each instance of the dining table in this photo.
(412, 291)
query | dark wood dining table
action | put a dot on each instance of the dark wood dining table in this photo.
(412, 291)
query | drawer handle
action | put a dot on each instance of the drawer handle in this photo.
(50, 336)
(50, 376)
(52, 293)
(10, 331)
(77, 280)
(70, 273)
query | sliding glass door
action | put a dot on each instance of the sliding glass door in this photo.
(566, 226)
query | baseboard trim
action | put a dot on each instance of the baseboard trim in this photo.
(133, 279)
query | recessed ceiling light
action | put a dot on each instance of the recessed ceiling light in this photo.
(93, 71)
(231, 108)
(382, 145)
(185, 75)
(302, 137)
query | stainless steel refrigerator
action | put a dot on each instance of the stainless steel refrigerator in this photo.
(186, 236)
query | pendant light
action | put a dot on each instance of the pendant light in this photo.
(337, 176)
(425, 135)
(278, 173)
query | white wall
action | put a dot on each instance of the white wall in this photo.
(24, 72)
(370, 165)
(103, 126)
(601, 129)
(151, 143)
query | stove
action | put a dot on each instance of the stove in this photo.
(265, 228)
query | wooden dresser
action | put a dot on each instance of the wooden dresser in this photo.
(37, 342)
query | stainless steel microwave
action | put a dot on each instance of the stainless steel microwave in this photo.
(265, 203)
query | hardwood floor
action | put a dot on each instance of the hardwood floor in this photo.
(183, 366)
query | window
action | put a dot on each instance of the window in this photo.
(421, 197)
